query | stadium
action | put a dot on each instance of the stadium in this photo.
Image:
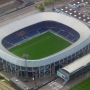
(59, 40)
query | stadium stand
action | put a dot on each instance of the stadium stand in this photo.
(38, 28)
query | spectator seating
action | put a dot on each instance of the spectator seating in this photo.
(8, 45)
(32, 34)
(16, 40)
(42, 30)
(55, 30)
(38, 28)
(62, 33)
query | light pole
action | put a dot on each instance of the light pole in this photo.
(25, 56)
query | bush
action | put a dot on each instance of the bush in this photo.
(41, 7)
(1, 77)
(46, 3)
(49, 2)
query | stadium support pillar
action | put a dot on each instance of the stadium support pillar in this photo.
(15, 71)
(21, 73)
(25, 56)
(11, 67)
(50, 69)
(39, 72)
(44, 71)
(6, 67)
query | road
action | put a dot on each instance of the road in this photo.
(28, 11)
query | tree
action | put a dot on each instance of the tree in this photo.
(41, 7)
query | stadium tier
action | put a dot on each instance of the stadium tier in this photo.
(30, 27)
(38, 28)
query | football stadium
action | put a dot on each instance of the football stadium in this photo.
(50, 40)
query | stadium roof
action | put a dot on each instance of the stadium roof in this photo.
(75, 24)
(77, 64)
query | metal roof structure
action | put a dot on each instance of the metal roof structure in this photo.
(75, 24)
(77, 64)
(76, 2)
(75, 14)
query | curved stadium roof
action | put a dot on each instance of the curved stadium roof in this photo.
(11, 27)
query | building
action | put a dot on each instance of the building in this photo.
(78, 3)
(73, 70)
(48, 65)
(74, 13)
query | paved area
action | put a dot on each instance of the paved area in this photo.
(28, 11)
(53, 85)
(4, 1)
(4, 86)
(36, 83)
(10, 7)
(57, 84)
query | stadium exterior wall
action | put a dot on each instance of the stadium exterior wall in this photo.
(51, 64)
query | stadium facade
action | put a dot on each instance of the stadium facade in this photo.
(80, 67)
(48, 65)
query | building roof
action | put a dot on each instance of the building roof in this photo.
(76, 2)
(75, 14)
(77, 64)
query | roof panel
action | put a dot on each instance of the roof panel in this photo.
(77, 64)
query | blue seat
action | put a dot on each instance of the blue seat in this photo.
(25, 37)
(9, 38)
(70, 37)
(42, 30)
(53, 24)
(8, 45)
(31, 34)
(17, 40)
(55, 30)
(62, 33)
(48, 24)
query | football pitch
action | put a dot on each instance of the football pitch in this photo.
(85, 85)
(41, 46)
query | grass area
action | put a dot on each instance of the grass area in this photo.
(85, 85)
(7, 82)
(41, 46)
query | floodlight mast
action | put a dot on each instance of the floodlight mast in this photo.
(25, 56)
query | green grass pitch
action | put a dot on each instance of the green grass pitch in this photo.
(85, 85)
(41, 46)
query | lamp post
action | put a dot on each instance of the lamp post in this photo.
(25, 56)
(34, 79)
